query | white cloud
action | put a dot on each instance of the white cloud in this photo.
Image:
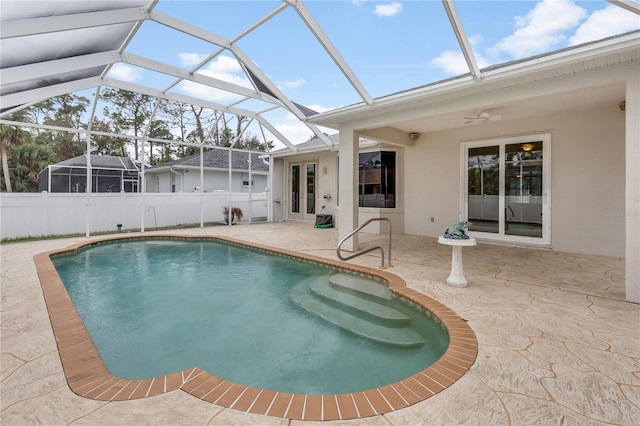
(295, 130)
(453, 62)
(191, 58)
(541, 29)
(293, 84)
(223, 68)
(358, 2)
(605, 22)
(389, 9)
(125, 72)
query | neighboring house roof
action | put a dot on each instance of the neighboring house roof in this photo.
(314, 144)
(217, 159)
(99, 162)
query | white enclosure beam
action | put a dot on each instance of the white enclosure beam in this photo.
(463, 40)
(277, 133)
(139, 61)
(124, 85)
(630, 5)
(337, 58)
(192, 30)
(197, 32)
(47, 69)
(50, 24)
(253, 68)
(199, 102)
(43, 93)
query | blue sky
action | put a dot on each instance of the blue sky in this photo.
(390, 45)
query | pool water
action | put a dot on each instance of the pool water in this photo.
(153, 307)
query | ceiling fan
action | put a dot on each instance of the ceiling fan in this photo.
(483, 117)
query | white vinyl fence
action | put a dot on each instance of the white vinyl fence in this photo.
(45, 214)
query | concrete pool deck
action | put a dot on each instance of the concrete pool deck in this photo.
(557, 344)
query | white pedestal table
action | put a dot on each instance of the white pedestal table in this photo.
(456, 278)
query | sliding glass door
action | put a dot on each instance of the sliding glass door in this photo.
(507, 188)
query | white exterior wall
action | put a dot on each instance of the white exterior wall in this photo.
(632, 189)
(277, 187)
(587, 177)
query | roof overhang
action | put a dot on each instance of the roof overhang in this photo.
(566, 70)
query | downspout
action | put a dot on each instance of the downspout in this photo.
(181, 178)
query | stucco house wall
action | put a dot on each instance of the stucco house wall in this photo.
(186, 180)
(587, 177)
(327, 179)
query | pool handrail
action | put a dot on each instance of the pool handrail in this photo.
(355, 231)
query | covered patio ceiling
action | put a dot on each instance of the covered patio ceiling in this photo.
(52, 48)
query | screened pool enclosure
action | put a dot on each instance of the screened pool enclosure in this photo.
(108, 174)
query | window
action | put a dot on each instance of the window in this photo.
(377, 179)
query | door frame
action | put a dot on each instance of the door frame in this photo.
(545, 138)
(302, 215)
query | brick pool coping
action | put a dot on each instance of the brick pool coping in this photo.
(87, 376)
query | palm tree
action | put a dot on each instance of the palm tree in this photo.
(9, 136)
(29, 159)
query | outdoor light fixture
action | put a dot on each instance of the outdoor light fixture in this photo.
(527, 147)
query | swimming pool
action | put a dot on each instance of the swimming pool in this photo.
(409, 386)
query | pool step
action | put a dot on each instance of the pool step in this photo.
(359, 306)
(359, 315)
(365, 287)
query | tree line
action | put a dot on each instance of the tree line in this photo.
(25, 153)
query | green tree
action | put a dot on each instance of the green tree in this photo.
(10, 137)
(64, 111)
(159, 130)
(107, 145)
(252, 142)
(129, 112)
